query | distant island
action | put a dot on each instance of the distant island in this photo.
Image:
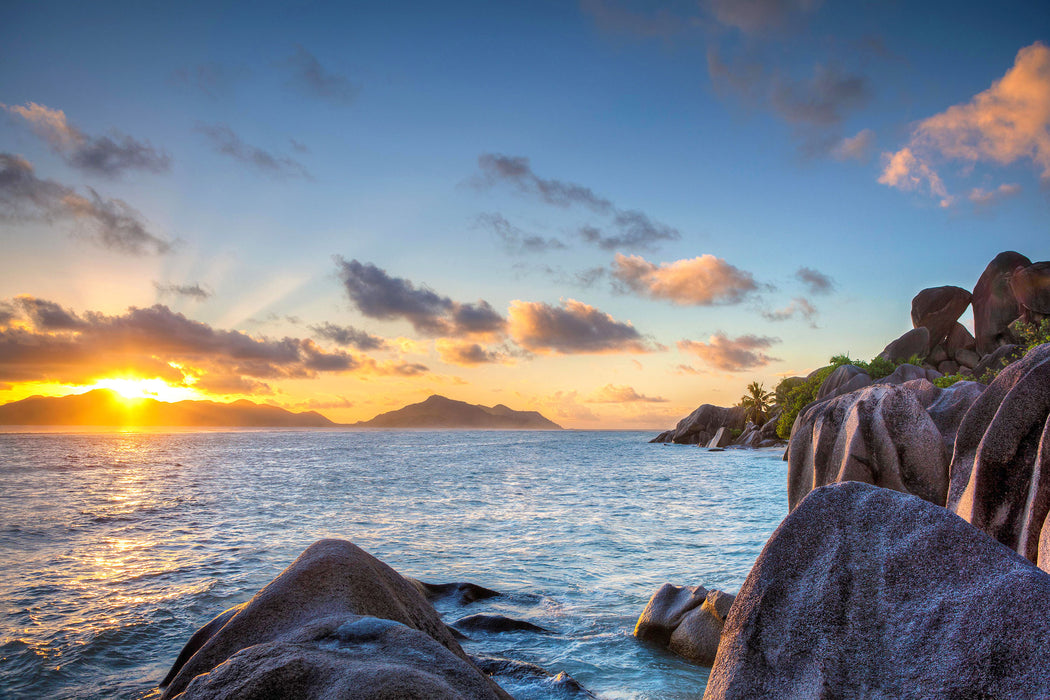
(440, 412)
(105, 407)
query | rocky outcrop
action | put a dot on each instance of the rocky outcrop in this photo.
(907, 373)
(337, 623)
(914, 342)
(688, 620)
(997, 359)
(842, 380)
(701, 425)
(938, 309)
(867, 592)
(994, 304)
(883, 434)
(1031, 288)
(721, 438)
(1000, 474)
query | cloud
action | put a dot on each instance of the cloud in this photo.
(1007, 123)
(311, 78)
(349, 336)
(98, 155)
(701, 281)
(632, 227)
(612, 18)
(57, 344)
(225, 141)
(799, 307)
(516, 241)
(467, 353)
(378, 295)
(611, 393)
(635, 230)
(857, 147)
(987, 198)
(822, 99)
(573, 328)
(816, 282)
(517, 171)
(758, 16)
(193, 291)
(111, 223)
(213, 79)
(732, 354)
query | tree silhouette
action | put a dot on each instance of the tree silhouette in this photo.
(757, 402)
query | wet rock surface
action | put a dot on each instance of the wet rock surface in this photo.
(869, 592)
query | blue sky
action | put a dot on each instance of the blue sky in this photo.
(255, 146)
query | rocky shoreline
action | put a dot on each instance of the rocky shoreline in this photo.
(913, 562)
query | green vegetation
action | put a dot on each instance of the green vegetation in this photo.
(1032, 334)
(757, 402)
(949, 379)
(799, 394)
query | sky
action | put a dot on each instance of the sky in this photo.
(607, 211)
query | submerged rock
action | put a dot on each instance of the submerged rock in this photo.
(497, 623)
(462, 592)
(1000, 474)
(867, 592)
(337, 623)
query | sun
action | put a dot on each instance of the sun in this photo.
(135, 389)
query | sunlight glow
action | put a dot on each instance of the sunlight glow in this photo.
(134, 389)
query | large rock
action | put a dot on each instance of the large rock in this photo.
(998, 359)
(722, 437)
(959, 338)
(937, 309)
(907, 373)
(994, 304)
(883, 434)
(914, 342)
(844, 379)
(868, 593)
(1000, 474)
(688, 620)
(1031, 288)
(701, 425)
(337, 623)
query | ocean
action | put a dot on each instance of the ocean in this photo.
(116, 547)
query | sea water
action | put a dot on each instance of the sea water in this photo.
(116, 547)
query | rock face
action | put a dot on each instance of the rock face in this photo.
(994, 304)
(1000, 475)
(701, 425)
(995, 360)
(720, 439)
(1031, 288)
(883, 434)
(906, 373)
(688, 620)
(914, 342)
(842, 380)
(866, 592)
(937, 309)
(337, 623)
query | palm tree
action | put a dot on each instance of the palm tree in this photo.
(757, 402)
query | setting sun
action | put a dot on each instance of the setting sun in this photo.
(134, 389)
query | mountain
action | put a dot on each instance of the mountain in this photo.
(106, 407)
(440, 412)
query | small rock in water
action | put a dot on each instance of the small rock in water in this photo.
(497, 623)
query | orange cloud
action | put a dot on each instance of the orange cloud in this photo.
(1007, 123)
(468, 354)
(573, 328)
(701, 281)
(611, 393)
(732, 354)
